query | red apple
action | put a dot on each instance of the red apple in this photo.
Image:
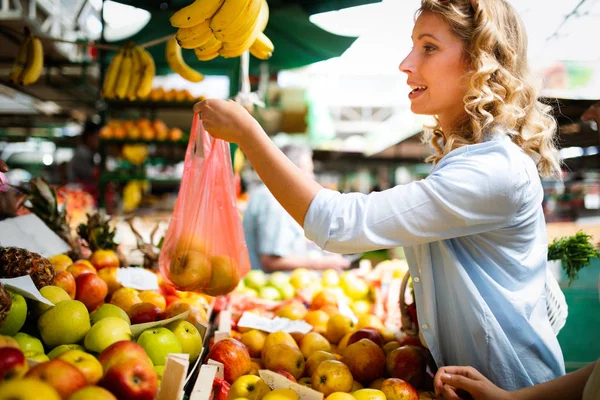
(81, 269)
(407, 363)
(366, 333)
(12, 363)
(234, 356)
(121, 351)
(287, 375)
(397, 389)
(66, 281)
(61, 375)
(410, 341)
(105, 259)
(91, 290)
(132, 379)
(365, 359)
(145, 312)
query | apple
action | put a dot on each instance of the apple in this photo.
(287, 375)
(63, 348)
(27, 389)
(7, 341)
(104, 259)
(92, 393)
(250, 387)
(109, 310)
(37, 357)
(356, 385)
(52, 293)
(305, 381)
(234, 356)
(332, 376)
(62, 376)
(109, 275)
(196, 315)
(125, 298)
(89, 365)
(154, 297)
(281, 394)
(28, 343)
(287, 291)
(60, 262)
(301, 278)
(368, 394)
(318, 319)
(397, 389)
(293, 310)
(158, 343)
(322, 299)
(315, 359)
(224, 276)
(389, 346)
(277, 338)
(279, 278)
(255, 279)
(91, 290)
(16, 316)
(105, 332)
(132, 379)
(369, 321)
(338, 326)
(407, 340)
(141, 313)
(330, 277)
(269, 293)
(340, 396)
(254, 340)
(376, 384)
(366, 333)
(66, 281)
(190, 270)
(284, 357)
(13, 363)
(255, 366)
(83, 261)
(78, 269)
(354, 287)
(407, 363)
(121, 351)
(361, 307)
(312, 342)
(365, 359)
(330, 310)
(188, 336)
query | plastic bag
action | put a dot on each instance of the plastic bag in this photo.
(204, 248)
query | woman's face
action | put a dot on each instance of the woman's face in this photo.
(436, 69)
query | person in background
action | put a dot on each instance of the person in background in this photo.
(275, 241)
(82, 167)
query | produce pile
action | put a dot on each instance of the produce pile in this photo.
(142, 129)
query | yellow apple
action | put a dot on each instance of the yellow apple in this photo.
(318, 319)
(390, 346)
(340, 396)
(224, 276)
(338, 326)
(281, 394)
(356, 385)
(92, 393)
(356, 288)
(125, 298)
(369, 394)
(254, 340)
(330, 278)
(284, 357)
(344, 342)
(188, 336)
(294, 310)
(361, 307)
(376, 384)
(89, 365)
(305, 381)
(398, 389)
(312, 342)
(63, 348)
(65, 323)
(60, 262)
(332, 376)
(369, 321)
(250, 387)
(53, 293)
(190, 270)
(27, 389)
(105, 332)
(315, 359)
(278, 337)
(365, 359)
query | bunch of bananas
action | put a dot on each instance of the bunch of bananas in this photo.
(130, 74)
(224, 27)
(29, 63)
(135, 153)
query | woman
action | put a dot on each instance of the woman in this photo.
(473, 231)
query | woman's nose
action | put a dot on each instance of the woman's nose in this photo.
(407, 65)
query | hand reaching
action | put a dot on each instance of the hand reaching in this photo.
(448, 381)
(226, 120)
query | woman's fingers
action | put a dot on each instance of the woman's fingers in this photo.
(449, 393)
(466, 376)
(3, 166)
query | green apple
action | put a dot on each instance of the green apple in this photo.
(39, 357)
(255, 279)
(188, 336)
(159, 369)
(63, 348)
(66, 323)
(287, 291)
(105, 332)
(250, 387)
(158, 343)
(16, 315)
(269, 293)
(279, 279)
(29, 343)
(109, 310)
(53, 293)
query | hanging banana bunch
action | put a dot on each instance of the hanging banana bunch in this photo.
(225, 28)
(29, 63)
(129, 74)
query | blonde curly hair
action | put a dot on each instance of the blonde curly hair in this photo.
(502, 94)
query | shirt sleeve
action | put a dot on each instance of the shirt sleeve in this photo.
(275, 230)
(466, 196)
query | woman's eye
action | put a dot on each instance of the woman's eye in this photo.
(428, 48)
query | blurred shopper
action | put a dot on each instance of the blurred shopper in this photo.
(82, 167)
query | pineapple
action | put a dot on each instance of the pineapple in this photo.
(5, 304)
(98, 233)
(15, 262)
(41, 200)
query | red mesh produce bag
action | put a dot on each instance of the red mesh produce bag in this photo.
(204, 248)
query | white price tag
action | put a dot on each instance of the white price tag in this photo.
(26, 288)
(204, 383)
(31, 233)
(249, 320)
(137, 278)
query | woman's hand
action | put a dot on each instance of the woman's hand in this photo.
(3, 166)
(448, 380)
(227, 120)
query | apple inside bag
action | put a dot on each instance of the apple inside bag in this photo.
(204, 249)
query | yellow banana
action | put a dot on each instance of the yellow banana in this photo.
(197, 12)
(190, 38)
(178, 65)
(209, 50)
(237, 48)
(136, 73)
(262, 48)
(20, 61)
(35, 62)
(149, 70)
(110, 79)
(244, 25)
(228, 14)
(124, 76)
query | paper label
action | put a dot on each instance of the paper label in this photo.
(250, 320)
(26, 288)
(220, 368)
(171, 386)
(191, 371)
(345, 308)
(31, 233)
(277, 381)
(137, 329)
(137, 278)
(204, 384)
